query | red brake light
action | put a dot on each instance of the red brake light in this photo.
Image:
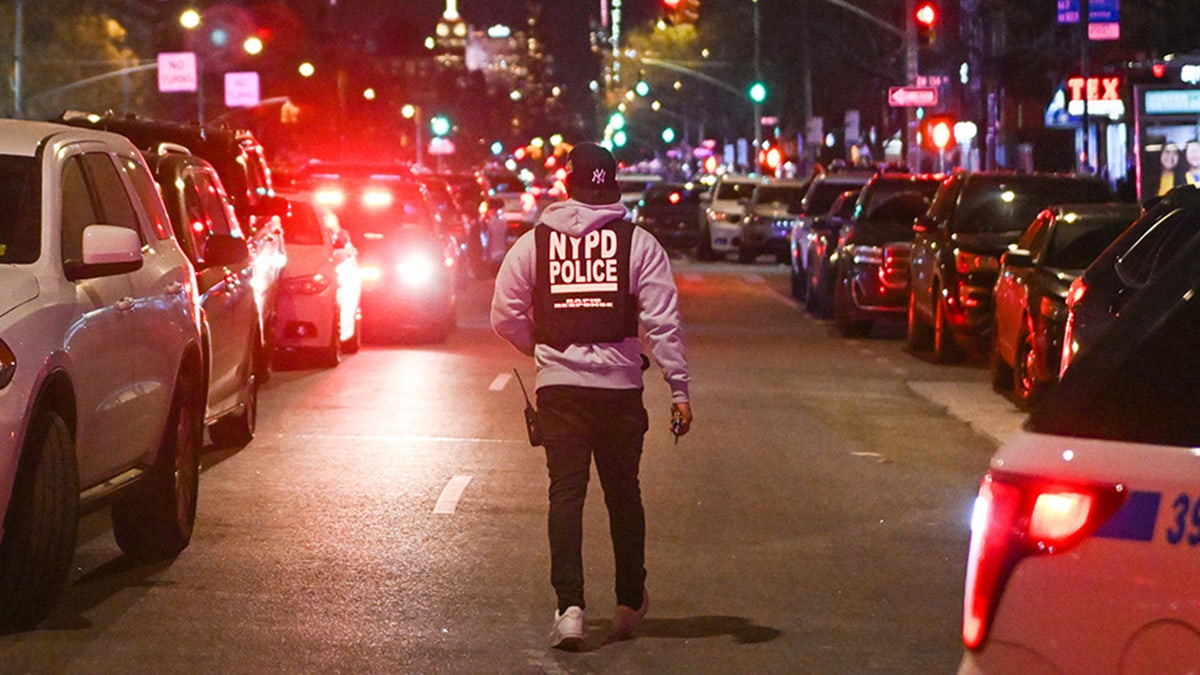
(1016, 517)
(329, 197)
(674, 198)
(377, 198)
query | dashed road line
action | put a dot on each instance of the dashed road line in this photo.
(448, 501)
(500, 382)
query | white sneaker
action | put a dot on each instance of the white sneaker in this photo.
(568, 629)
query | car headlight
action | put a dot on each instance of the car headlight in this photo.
(417, 269)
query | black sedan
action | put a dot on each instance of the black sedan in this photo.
(671, 212)
(1031, 291)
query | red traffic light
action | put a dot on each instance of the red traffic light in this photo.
(926, 14)
(937, 132)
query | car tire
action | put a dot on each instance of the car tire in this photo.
(330, 355)
(1027, 390)
(1000, 372)
(843, 315)
(945, 350)
(154, 518)
(919, 336)
(354, 344)
(41, 525)
(238, 430)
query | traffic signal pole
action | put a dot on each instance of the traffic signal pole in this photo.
(911, 72)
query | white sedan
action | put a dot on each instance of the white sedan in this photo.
(318, 311)
(1086, 532)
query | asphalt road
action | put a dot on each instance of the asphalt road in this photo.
(390, 516)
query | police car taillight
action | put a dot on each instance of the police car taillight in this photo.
(329, 197)
(1016, 517)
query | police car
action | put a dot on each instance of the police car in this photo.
(1086, 532)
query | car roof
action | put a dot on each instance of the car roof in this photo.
(25, 137)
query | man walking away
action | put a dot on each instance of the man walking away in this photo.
(572, 293)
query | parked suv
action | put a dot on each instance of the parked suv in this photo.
(207, 229)
(1145, 250)
(772, 212)
(818, 200)
(973, 218)
(101, 385)
(241, 163)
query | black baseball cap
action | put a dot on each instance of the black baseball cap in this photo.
(592, 175)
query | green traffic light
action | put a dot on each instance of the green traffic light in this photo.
(668, 135)
(757, 92)
(439, 125)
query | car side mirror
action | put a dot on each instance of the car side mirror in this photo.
(1017, 257)
(222, 250)
(106, 250)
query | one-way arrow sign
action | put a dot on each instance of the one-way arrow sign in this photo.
(906, 97)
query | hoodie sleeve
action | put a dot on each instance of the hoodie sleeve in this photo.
(512, 301)
(658, 299)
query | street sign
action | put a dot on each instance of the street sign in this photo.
(176, 71)
(912, 97)
(241, 89)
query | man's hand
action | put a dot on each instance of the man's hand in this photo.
(681, 418)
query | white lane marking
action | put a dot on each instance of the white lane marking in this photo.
(500, 382)
(448, 501)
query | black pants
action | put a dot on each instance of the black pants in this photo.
(579, 423)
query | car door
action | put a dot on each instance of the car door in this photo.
(124, 377)
(226, 293)
(1011, 295)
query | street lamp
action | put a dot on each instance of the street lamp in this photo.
(412, 112)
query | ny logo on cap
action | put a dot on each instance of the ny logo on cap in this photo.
(598, 176)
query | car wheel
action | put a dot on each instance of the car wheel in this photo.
(41, 525)
(1026, 388)
(1001, 373)
(354, 344)
(704, 249)
(843, 314)
(918, 335)
(238, 430)
(330, 355)
(799, 287)
(944, 348)
(154, 518)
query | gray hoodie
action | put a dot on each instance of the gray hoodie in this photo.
(608, 365)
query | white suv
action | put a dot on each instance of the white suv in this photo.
(101, 387)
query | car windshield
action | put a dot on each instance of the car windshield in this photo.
(882, 190)
(822, 194)
(1076, 247)
(788, 197)
(734, 190)
(1140, 380)
(303, 228)
(1010, 205)
(19, 198)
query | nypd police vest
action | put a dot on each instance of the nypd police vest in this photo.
(581, 293)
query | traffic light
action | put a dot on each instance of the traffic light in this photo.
(680, 12)
(440, 125)
(757, 92)
(926, 18)
(937, 132)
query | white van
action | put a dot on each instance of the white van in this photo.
(722, 219)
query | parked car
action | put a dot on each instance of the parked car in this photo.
(823, 273)
(815, 289)
(1084, 533)
(671, 212)
(409, 262)
(824, 189)
(452, 217)
(1031, 291)
(872, 261)
(319, 311)
(208, 230)
(634, 187)
(974, 217)
(101, 368)
(241, 162)
(521, 209)
(487, 234)
(772, 211)
(721, 225)
(1143, 251)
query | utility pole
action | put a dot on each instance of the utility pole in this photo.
(18, 56)
(911, 73)
(757, 78)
